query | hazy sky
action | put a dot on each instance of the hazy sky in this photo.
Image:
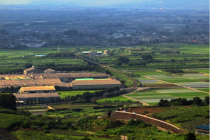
(83, 2)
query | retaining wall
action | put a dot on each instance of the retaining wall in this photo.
(129, 115)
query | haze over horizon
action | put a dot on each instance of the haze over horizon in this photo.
(79, 2)
(124, 3)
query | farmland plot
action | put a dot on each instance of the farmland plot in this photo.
(204, 89)
(194, 84)
(201, 70)
(154, 96)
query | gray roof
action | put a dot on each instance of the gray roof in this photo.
(204, 127)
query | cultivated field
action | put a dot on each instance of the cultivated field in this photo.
(162, 88)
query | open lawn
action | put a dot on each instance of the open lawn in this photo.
(74, 92)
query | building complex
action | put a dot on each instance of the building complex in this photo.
(35, 83)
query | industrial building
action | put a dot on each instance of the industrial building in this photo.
(38, 84)
(68, 77)
(95, 84)
(36, 96)
(32, 70)
(29, 82)
(37, 89)
(50, 71)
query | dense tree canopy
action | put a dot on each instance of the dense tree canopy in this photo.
(8, 101)
(122, 60)
(147, 57)
(60, 54)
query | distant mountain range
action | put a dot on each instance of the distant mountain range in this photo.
(146, 4)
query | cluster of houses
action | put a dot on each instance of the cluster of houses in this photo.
(35, 83)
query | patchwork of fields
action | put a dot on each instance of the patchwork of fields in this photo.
(168, 86)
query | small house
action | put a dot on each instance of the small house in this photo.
(202, 129)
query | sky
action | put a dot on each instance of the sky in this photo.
(83, 2)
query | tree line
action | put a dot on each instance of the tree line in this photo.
(60, 54)
(182, 102)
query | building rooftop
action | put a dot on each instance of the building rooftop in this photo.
(29, 82)
(96, 82)
(37, 88)
(204, 127)
(49, 70)
(83, 79)
(29, 69)
(69, 75)
(37, 95)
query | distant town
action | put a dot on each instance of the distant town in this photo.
(100, 27)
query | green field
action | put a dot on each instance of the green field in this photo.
(10, 119)
(204, 89)
(201, 70)
(114, 99)
(154, 96)
(74, 92)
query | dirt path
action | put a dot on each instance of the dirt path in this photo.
(139, 89)
(123, 137)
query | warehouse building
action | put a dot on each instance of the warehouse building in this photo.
(203, 129)
(36, 96)
(50, 71)
(30, 82)
(95, 84)
(69, 77)
(37, 89)
(32, 70)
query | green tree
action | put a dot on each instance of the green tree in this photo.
(206, 100)
(163, 103)
(123, 59)
(147, 57)
(28, 65)
(190, 136)
(197, 101)
(86, 95)
(8, 101)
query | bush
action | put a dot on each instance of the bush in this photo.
(26, 124)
